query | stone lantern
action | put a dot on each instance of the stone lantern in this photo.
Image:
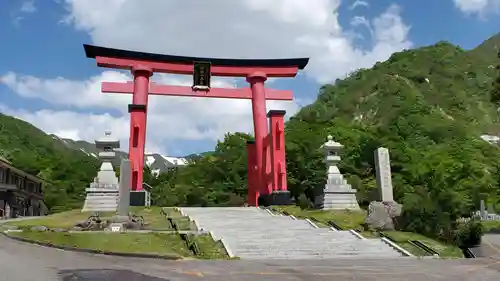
(102, 195)
(337, 194)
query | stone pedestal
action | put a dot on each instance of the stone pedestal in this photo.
(276, 198)
(101, 198)
(337, 197)
(337, 194)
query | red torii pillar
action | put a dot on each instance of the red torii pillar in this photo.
(273, 189)
(253, 191)
(277, 145)
(143, 65)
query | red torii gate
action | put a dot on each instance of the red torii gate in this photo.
(267, 172)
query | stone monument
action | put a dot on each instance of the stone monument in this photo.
(382, 214)
(125, 184)
(383, 174)
(102, 195)
(337, 194)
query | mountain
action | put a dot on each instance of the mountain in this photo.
(489, 49)
(431, 107)
(67, 171)
(156, 162)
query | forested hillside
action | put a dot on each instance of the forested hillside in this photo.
(68, 171)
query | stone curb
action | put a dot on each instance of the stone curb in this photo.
(92, 251)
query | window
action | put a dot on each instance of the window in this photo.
(30, 186)
(3, 175)
(18, 181)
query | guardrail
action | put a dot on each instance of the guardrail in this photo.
(357, 234)
(191, 243)
(383, 235)
(416, 243)
(425, 248)
(396, 247)
(334, 225)
(468, 254)
(188, 238)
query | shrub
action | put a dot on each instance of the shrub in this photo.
(303, 202)
(469, 234)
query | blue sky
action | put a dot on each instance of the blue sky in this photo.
(46, 79)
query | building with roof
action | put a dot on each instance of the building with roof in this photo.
(21, 194)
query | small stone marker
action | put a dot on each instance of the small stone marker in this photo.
(383, 172)
(116, 227)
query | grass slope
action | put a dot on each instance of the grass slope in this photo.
(159, 243)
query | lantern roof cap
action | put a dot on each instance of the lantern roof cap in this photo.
(331, 143)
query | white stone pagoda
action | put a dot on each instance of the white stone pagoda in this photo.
(102, 195)
(337, 194)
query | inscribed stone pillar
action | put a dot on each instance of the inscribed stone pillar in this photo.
(383, 172)
(125, 184)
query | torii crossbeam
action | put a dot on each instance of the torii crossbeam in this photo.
(143, 65)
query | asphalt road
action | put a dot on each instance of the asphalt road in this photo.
(26, 262)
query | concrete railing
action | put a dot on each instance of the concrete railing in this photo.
(396, 247)
(224, 244)
(311, 223)
(357, 234)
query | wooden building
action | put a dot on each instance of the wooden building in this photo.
(20, 193)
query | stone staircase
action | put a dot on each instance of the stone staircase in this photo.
(253, 233)
(101, 200)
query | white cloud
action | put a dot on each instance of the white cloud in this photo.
(238, 28)
(358, 3)
(28, 6)
(478, 7)
(215, 28)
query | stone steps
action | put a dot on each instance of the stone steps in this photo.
(253, 233)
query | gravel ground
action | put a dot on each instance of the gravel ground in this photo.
(26, 262)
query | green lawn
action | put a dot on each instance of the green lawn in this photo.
(444, 250)
(152, 217)
(164, 244)
(488, 225)
(210, 249)
(354, 219)
(183, 222)
(345, 219)
(59, 220)
(151, 243)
